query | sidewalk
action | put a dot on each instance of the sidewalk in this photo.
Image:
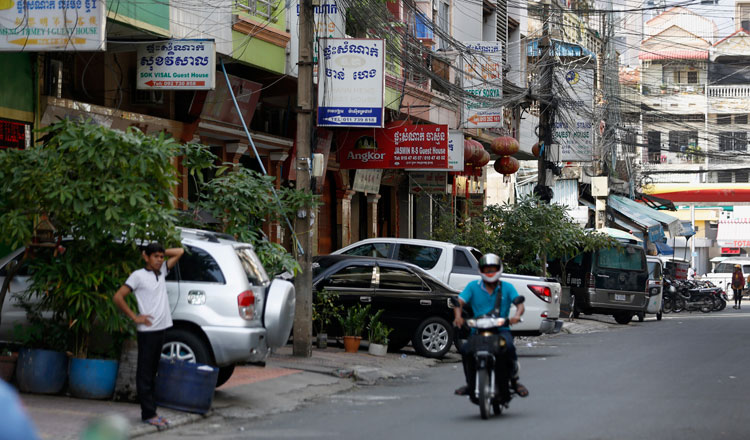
(253, 391)
(282, 385)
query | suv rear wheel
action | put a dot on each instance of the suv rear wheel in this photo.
(184, 345)
(433, 337)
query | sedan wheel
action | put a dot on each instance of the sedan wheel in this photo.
(433, 338)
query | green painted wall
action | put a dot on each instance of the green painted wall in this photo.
(152, 12)
(258, 53)
(17, 86)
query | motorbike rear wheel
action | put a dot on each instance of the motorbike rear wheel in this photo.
(484, 393)
(679, 305)
(667, 305)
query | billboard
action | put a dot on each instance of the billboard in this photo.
(351, 82)
(399, 146)
(573, 130)
(52, 25)
(482, 76)
(176, 65)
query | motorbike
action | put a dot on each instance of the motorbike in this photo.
(696, 297)
(671, 300)
(492, 380)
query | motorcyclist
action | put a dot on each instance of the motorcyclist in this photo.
(481, 296)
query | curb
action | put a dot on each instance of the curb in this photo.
(142, 429)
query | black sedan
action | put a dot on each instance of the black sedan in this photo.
(415, 304)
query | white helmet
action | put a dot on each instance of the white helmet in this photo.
(490, 260)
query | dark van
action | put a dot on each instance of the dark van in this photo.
(610, 281)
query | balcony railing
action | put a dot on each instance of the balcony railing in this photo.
(738, 91)
(261, 8)
(673, 89)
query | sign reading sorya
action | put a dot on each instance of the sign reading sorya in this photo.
(52, 25)
(573, 130)
(177, 65)
(401, 146)
(482, 76)
(351, 82)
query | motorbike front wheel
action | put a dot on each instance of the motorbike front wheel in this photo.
(720, 305)
(707, 304)
(483, 379)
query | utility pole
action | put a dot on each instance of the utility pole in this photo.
(546, 108)
(304, 221)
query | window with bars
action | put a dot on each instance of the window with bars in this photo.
(260, 8)
(733, 141)
(680, 141)
(724, 119)
(654, 147)
(740, 119)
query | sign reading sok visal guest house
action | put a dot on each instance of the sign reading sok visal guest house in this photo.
(177, 65)
(396, 146)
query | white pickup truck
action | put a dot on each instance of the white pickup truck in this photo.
(457, 266)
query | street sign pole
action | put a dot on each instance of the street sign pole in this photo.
(304, 222)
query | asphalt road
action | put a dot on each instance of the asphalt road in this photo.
(685, 377)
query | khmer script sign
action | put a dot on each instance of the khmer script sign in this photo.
(177, 65)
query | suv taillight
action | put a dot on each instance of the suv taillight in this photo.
(246, 305)
(542, 292)
(590, 280)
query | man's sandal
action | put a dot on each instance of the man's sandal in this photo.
(520, 389)
(462, 391)
(158, 421)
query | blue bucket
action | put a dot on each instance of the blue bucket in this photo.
(92, 378)
(185, 386)
(41, 371)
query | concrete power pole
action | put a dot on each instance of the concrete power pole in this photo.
(546, 108)
(304, 221)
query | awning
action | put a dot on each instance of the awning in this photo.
(663, 248)
(675, 54)
(734, 233)
(619, 235)
(670, 223)
(713, 193)
(630, 227)
(652, 228)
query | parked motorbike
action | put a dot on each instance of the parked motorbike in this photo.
(671, 300)
(696, 298)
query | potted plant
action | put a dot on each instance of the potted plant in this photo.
(378, 334)
(353, 324)
(325, 310)
(42, 364)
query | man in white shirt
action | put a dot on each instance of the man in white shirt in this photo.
(691, 273)
(150, 289)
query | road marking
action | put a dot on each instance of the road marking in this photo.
(706, 316)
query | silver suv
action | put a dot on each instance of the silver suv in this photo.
(225, 309)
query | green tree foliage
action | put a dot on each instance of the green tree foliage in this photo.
(105, 190)
(526, 235)
(242, 200)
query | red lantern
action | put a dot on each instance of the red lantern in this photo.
(504, 146)
(474, 152)
(507, 165)
(535, 149)
(484, 159)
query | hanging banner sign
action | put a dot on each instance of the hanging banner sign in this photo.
(482, 76)
(455, 152)
(328, 22)
(367, 181)
(573, 131)
(428, 182)
(52, 25)
(400, 146)
(351, 82)
(176, 65)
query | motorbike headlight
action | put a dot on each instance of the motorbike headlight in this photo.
(672, 289)
(483, 323)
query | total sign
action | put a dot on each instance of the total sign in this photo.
(177, 65)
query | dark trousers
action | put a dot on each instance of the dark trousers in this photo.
(470, 368)
(149, 353)
(737, 296)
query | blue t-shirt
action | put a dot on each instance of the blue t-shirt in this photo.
(482, 303)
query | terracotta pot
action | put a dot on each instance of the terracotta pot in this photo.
(351, 343)
(8, 366)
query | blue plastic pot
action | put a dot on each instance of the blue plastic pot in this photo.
(41, 371)
(185, 386)
(92, 378)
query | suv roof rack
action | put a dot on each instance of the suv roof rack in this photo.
(211, 236)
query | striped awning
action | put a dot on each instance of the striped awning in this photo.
(675, 54)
